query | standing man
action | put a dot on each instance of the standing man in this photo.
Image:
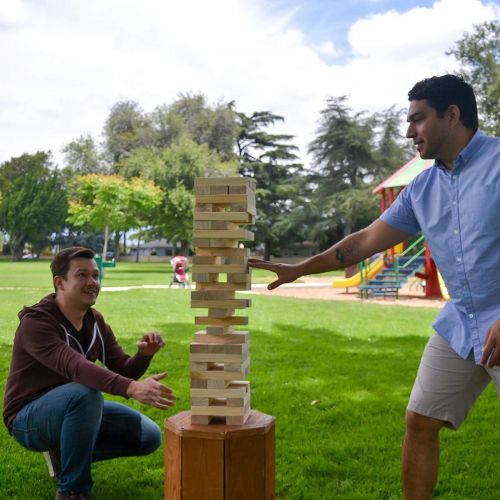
(456, 204)
(53, 397)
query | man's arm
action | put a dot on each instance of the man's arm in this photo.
(376, 237)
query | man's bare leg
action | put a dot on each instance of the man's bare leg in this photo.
(420, 459)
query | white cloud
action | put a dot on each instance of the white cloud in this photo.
(66, 63)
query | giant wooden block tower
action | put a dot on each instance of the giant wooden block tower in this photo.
(219, 355)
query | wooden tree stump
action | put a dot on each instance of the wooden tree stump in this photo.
(220, 461)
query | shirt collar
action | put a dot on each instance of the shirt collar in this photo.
(467, 152)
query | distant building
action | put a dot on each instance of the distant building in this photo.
(160, 248)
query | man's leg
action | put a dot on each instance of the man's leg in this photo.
(445, 389)
(66, 418)
(420, 459)
(125, 432)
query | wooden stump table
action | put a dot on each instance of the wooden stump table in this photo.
(220, 461)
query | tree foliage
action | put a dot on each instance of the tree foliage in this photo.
(272, 161)
(82, 156)
(478, 53)
(111, 202)
(33, 204)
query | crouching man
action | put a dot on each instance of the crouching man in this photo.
(53, 401)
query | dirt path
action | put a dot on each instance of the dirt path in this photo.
(410, 295)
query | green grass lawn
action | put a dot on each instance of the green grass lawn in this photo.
(356, 361)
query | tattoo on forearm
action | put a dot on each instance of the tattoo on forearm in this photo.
(346, 255)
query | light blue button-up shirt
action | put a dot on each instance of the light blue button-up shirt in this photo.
(458, 211)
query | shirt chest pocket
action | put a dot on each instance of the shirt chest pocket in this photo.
(480, 208)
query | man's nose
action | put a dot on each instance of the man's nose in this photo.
(410, 132)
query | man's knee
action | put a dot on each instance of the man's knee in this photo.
(151, 437)
(421, 425)
(85, 397)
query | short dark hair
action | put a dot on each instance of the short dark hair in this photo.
(443, 91)
(60, 264)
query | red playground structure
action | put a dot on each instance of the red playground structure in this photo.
(389, 190)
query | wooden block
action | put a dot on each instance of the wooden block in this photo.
(198, 383)
(234, 367)
(218, 407)
(236, 337)
(227, 252)
(207, 259)
(203, 420)
(215, 243)
(221, 304)
(230, 234)
(220, 313)
(226, 358)
(223, 199)
(218, 331)
(223, 286)
(204, 277)
(239, 278)
(217, 372)
(240, 421)
(215, 225)
(199, 347)
(239, 268)
(217, 384)
(234, 390)
(201, 189)
(200, 401)
(238, 217)
(219, 189)
(234, 320)
(225, 181)
(212, 294)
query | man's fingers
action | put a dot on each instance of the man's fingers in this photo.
(159, 376)
(274, 284)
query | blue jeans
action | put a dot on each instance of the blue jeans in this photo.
(77, 421)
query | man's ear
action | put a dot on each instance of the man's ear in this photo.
(454, 115)
(58, 282)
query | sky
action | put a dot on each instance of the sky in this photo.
(66, 62)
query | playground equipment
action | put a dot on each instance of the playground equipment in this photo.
(179, 269)
(399, 265)
(221, 449)
(102, 264)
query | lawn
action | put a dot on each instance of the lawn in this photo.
(355, 361)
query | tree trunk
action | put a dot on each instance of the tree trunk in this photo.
(124, 242)
(173, 243)
(137, 250)
(267, 249)
(17, 246)
(117, 244)
(185, 248)
(105, 247)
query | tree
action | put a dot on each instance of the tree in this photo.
(33, 202)
(174, 170)
(110, 202)
(81, 156)
(479, 56)
(272, 161)
(127, 128)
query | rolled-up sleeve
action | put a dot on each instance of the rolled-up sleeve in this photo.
(400, 214)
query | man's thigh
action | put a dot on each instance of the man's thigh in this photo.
(446, 386)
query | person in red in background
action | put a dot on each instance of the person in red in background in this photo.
(53, 398)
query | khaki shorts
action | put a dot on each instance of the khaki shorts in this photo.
(447, 386)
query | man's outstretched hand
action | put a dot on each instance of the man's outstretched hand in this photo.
(150, 392)
(286, 272)
(150, 343)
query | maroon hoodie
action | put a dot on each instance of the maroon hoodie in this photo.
(46, 355)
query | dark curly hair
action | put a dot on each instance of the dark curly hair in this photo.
(60, 264)
(443, 91)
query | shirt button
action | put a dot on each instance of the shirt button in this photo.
(454, 202)
(459, 259)
(453, 177)
(471, 316)
(455, 231)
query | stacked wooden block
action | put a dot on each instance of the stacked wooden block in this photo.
(219, 355)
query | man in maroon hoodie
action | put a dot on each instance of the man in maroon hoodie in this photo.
(53, 397)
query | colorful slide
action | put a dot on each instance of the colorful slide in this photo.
(442, 286)
(373, 269)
